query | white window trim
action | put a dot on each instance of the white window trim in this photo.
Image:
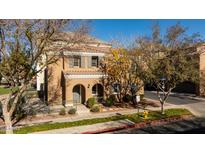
(83, 53)
(84, 76)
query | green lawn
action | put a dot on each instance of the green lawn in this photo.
(154, 115)
(4, 90)
(30, 92)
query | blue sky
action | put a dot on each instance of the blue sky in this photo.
(108, 29)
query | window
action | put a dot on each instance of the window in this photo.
(116, 88)
(97, 90)
(77, 61)
(94, 61)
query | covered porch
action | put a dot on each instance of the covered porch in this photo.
(79, 88)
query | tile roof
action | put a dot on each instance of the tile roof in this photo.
(66, 41)
(69, 36)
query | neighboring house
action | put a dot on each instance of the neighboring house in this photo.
(190, 87)
(200, 56)
(201, 51)
(75, 76)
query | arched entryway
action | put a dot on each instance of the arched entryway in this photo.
(97, 90)
(79, 94)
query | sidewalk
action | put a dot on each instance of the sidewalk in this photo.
(128, 127)
(90, 128)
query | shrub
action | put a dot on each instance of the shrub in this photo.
(72, 111)
(62, 112)
(113, 97)
(109, 102)
(141, 96)
(95, 108)
(127, 98)
(91, 102)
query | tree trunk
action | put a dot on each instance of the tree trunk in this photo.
(162, 107)
(7, 120)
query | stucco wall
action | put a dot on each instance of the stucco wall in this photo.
(55, 81)
(86, 83)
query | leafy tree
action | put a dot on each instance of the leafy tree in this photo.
(18, 61)
(168, 60)
(115, 67)
(119, 77)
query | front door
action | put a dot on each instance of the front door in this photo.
(79, 94)
(76, 94)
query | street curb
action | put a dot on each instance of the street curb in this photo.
(142, 124)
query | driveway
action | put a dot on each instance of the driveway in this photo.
(195, 104)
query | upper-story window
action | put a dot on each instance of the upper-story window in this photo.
(77, 61)
(94, 61)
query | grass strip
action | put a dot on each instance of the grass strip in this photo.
(153, 115)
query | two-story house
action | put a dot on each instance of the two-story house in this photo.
(75, 76)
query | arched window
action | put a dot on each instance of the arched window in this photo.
(97, 90)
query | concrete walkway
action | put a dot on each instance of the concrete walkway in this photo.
(89, 128)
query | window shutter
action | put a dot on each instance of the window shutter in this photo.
(83, 61)
(89, 62)
(71, 61)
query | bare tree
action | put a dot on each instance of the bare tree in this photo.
(23, 45)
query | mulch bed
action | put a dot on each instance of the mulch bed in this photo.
(147, 123)
(124, 106)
